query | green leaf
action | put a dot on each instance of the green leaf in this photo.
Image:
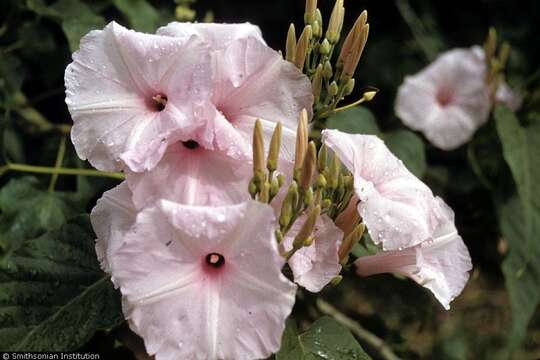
(520, 220)
(358, 120)
(77, 20)
(141, 15)
(408, 146)
(325, 339)
(53, 295)
(75, 17)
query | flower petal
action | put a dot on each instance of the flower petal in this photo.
(316, 265)
(193, 177)
(111, 218)
(218, 36)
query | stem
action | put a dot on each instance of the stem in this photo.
(59, 171)
(371, 339)
(58, 163)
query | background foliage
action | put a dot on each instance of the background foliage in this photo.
(49, 277)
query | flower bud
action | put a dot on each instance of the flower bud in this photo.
(310, 163)
(310, 13)
(307, 228)
(336, 22)
(321, 182)
(317, 30)
(258, 151)
(274, 188)
(301, 143)
(308, 197)
(326, 203)
(290, 46)
(349, 87)
(327, 70)
(309, 241)
(321, 158)
(264, 196)
(333, 88)
(349, 242)
(302, 47)
(273, 153)
(325, 47)
(353, 59)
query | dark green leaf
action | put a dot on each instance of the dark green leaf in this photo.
(141, 15)
(408, 146)
(53, 295)
(325, 339)
(358, 120)
(520, 220)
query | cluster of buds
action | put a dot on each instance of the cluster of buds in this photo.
(320, 185)
(332, 78)
(496, 59)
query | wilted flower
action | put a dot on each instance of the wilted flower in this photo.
(204, 282)
(441, 263)
(314, 266)
(448, 100)
(395, 206)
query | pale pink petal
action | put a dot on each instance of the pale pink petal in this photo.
(255, 82)
(183, 307)
(193, 177)
(448, 100)
(316, 265)
(440, 264)
(111, 218)
(218, 36)
(507, 96)
(109, 89)
(394, 204)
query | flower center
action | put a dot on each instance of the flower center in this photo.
(159, 102)
(190, 144)
(444, 97)
(215, 260)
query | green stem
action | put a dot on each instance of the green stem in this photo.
(60, 171)
(58, 163)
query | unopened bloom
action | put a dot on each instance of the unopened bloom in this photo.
(204, 282)
(314, 266)
(395, 205)
(449, 100)
(441, 263)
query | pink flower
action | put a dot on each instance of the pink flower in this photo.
(251, 81)
(131, 94)
(394, 204)
(111, 218)
(205, 282)
(441, 263)
(316, 265)
(448, 100)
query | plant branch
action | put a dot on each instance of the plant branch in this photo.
(59, 171)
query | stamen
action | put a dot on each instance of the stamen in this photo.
(190, 144)
(160, 101)
(215, 260)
